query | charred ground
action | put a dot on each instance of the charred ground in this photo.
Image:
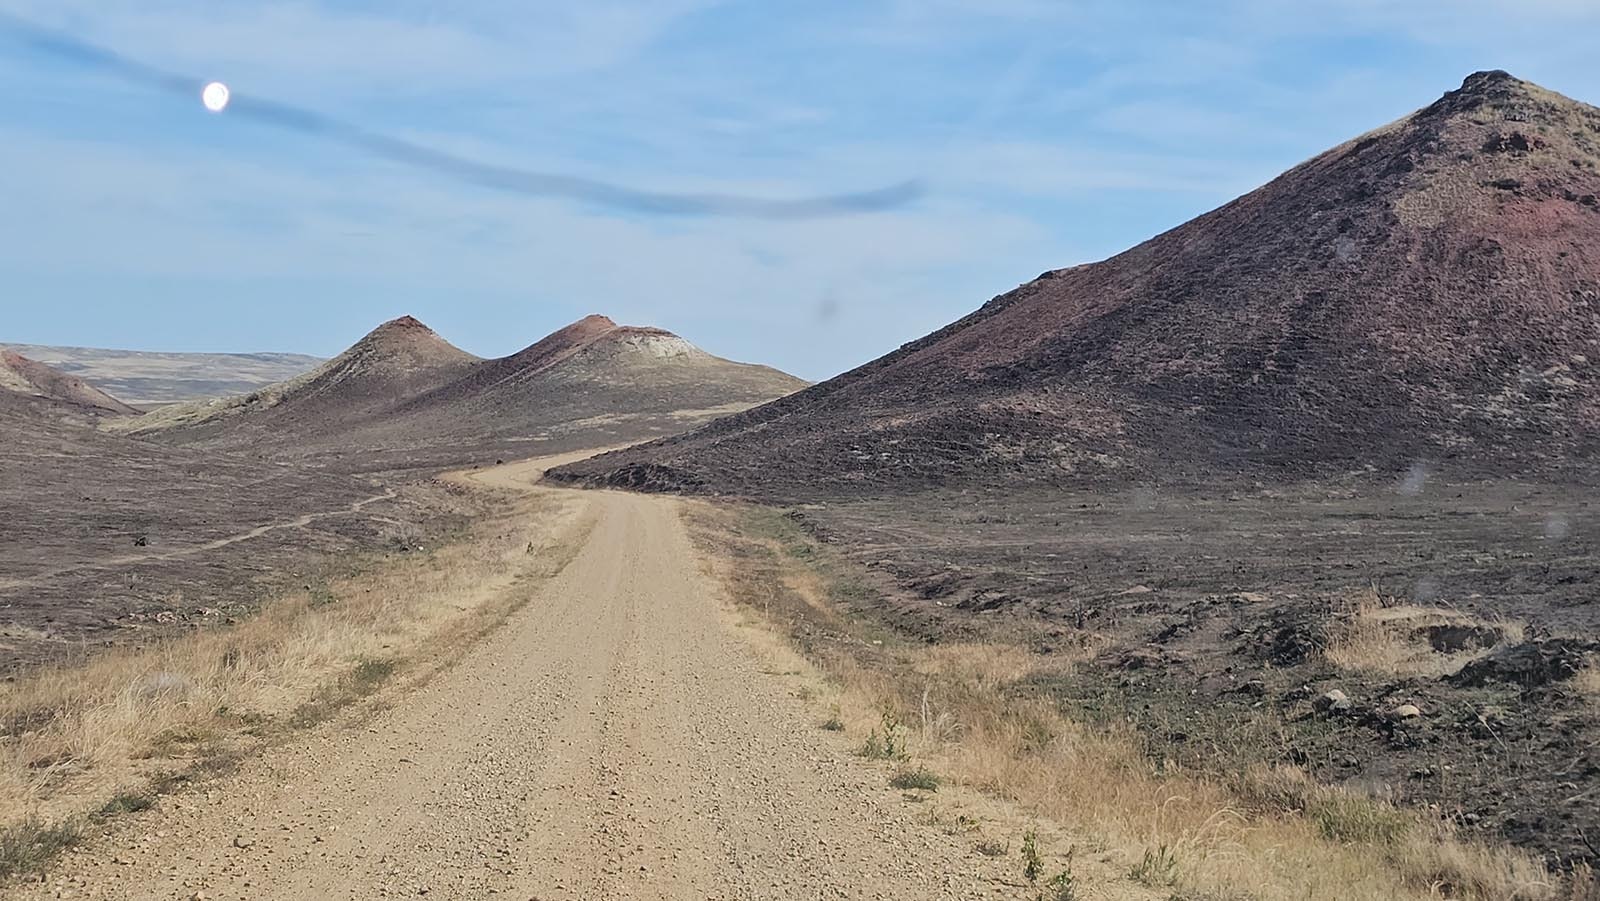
(1338, 434)
(104, 538)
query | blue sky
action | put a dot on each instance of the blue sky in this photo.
(1048, 133)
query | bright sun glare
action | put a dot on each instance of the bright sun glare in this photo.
(215, 96)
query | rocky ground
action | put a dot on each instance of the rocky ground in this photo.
(1457, 620)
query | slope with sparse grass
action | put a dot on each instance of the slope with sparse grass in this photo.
(970, 714)
(96, 736)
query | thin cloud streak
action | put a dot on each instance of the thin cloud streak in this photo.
(502, 178)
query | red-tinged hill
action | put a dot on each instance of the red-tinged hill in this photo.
(404, 399)
(1428, 293)
(50, 388)
(400, 359)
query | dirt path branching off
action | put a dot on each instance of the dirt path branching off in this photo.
(298, 522)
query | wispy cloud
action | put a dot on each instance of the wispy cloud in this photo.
(507, 178)
(395, 46)
(1050, 133)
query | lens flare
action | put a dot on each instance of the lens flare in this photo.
(215, 96)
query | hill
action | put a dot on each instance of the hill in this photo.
(33, 379)
(104, 534)
(1426, 294)
(149, 378)
(403, 398)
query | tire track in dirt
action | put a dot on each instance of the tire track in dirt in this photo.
(299, 522)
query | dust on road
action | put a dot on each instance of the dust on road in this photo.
(616, 738)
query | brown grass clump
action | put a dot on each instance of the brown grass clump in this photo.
(1270, 832)
(1587, 681)
(76, 738)
(1383, 635)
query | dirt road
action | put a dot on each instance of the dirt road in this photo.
(616, 738)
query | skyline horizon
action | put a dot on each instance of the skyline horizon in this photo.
(1049, 135)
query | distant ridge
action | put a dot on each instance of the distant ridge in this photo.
(404, 398)
(141, 377)
(34, 379)
(1428, 293)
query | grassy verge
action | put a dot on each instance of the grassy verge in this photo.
(97, 739)
(962, 709)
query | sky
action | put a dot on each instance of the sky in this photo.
(1046, 134)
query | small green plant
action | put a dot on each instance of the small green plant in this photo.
(887, 744)
(1036, 736)
(321, 596)
(370, 674)
(1061, 887)
(1211, 895)
(1032, 863)
(920, 778)
(182, 741)
(126, 803)
(1355, 820)
(1157, 869)
(29, 846)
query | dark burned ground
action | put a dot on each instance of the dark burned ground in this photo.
(1211, 613)
(128, 562)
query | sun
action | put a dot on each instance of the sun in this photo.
(215, 96)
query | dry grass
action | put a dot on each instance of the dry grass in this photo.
(1267, 833)
(75, 738)
(1382, 635)
(1587, 681)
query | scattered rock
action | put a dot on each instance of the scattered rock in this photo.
(1255, 688)
(1139, 658)
(1454, 638)
(1334, 701)
(240, 841)
(1405, 712)
(1515, 141)
(1288, 644)
(1529, 664)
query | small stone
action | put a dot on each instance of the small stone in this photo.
(1406, 712)
(1335, 701)
(240, 841)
